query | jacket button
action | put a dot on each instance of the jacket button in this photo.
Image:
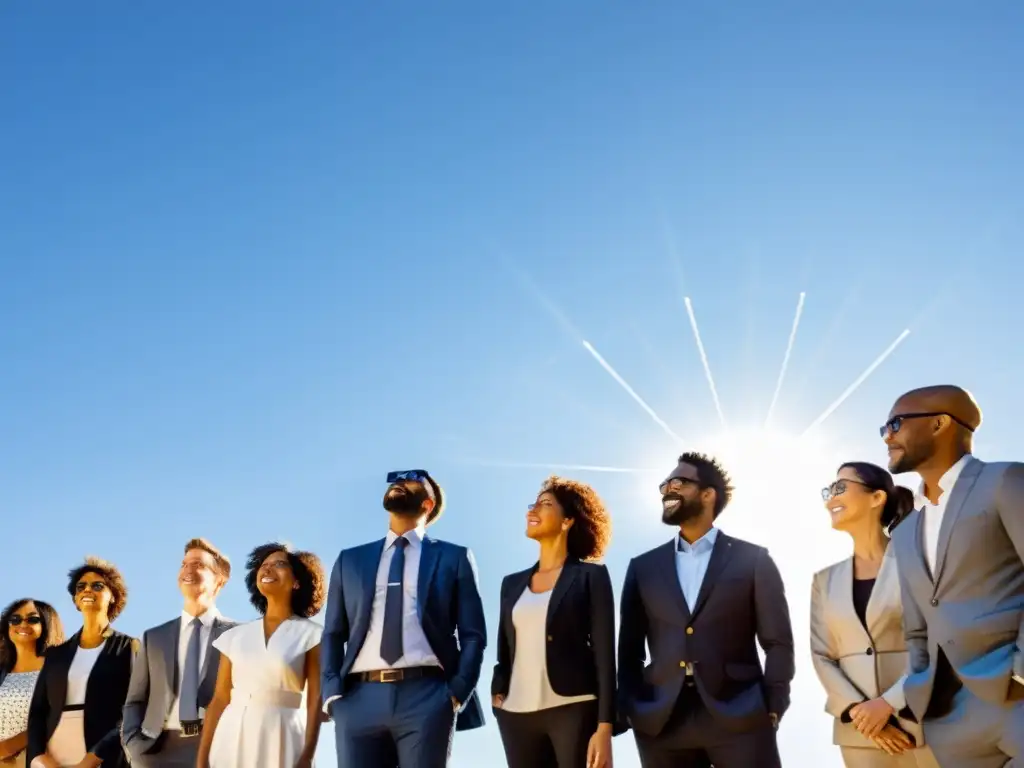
(550, 638)
(869, 651)
(689, 630)
(934, 602)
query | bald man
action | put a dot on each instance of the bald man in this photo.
(960, 557)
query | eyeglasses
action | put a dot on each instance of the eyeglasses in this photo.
(96, 586)
(537, 505)
(419, 475)
(676, 484)
(893, 425)
(16, 620)
(838, 488)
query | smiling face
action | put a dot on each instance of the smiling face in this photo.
(682, 498)
(199, 578)
(545, 518)
(92, 595)
(850, 503)
(25, 626)
(275, 577)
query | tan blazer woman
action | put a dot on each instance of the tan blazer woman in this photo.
(856, 662)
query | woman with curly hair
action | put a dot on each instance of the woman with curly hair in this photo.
(553, 688)
(257, 718)
(28, 628)
(75, 715)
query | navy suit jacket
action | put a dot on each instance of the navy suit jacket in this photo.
(450, 610)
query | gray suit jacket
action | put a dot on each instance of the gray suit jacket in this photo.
(972, 608)
(154, 684)
(855, 664)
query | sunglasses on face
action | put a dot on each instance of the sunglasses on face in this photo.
(419, 475)
(893, 425)
(16, 621)
(676, 484)
(838, 488)
(538, 505)
(96, 586)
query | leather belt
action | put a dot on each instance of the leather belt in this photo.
(397, 675)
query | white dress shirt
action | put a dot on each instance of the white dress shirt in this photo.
(184, 635)
(933, 513)
(416, 649)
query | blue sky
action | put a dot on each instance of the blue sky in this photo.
(254, 255)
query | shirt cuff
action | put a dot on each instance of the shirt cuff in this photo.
(327, 704)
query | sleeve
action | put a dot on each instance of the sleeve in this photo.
(774, 633)
(109, 748)
(335, 637)
(1010, 503)
(38, 716)
(841, 693)
(602, 638)
(502, 675)
(632, 637)
(472, 629)
(138, 695)
(225, 642)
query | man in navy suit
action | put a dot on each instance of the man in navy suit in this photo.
(404, 638)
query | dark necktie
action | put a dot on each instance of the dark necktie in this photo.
(391, 641)
(188, 707)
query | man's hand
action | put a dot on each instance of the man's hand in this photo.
(871, 717)
(89, 761)
(775, 720)
(893, 741)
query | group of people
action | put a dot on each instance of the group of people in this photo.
(916, 638)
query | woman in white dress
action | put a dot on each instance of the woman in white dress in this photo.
(258, 717)
(27, 629)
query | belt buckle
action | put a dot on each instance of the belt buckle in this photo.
(191, 729)
(391, 675)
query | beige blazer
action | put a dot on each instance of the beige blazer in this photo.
(852, 663)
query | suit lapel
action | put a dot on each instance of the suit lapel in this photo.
(368, 574)
(430, 553)
(720, 556)
(169, 644)
(59, 677)
(884, 584)
(562, 584)
(957, 496)
(216, 627)
(666, 567)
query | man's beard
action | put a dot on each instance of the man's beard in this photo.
(407, 502)
(676, 510)
(908, 460)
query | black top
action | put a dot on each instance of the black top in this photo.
(861, 595)
(104, 698)
(580, 633)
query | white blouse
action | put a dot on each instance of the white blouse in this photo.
(529, 690)
(15, 697)
(78, 674)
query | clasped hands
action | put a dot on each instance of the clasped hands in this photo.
(871, 719)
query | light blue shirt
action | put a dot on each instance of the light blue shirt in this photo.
(692, 563)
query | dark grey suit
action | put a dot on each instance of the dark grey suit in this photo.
(151, 694)
(965, 624)
(723, 709)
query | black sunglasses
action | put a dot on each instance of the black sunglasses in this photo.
(838, 488)
(16, 620)
(893, 425)
(96, 586)
(676, 484)
(419, 475)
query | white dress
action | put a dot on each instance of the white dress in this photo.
(264, 726)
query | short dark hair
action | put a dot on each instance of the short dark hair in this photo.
(53, 631)
(223, 561)
(899, 501)
(711, 474)
(591, 530)
(309, 598)
(438, 500)
(111, 575)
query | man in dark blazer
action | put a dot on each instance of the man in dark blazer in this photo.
(176, 670)
(702, 602)
(404, 638)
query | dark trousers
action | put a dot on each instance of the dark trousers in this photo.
(693, 738)
(549, 738)
(409, 724)
(171, 750)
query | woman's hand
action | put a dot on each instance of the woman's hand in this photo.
(497, 700)
(304, 761)
(599, 750)
(44, 761)
(893, 740)
(871, 717)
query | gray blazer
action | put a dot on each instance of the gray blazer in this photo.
(154, 684)
(855, 664)
(973, 606)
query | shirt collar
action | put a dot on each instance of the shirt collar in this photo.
(206, 619)
(415, 536)
(946, 482)
(704, 544)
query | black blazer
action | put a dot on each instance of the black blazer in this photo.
(580, 632)
(104, 698)
(741, 604)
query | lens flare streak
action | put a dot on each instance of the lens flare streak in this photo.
(785, 358)
(704, 359)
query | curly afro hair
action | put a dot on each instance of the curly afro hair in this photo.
(711, 474)
(309, 598)
(591, 530)
(111, 576)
